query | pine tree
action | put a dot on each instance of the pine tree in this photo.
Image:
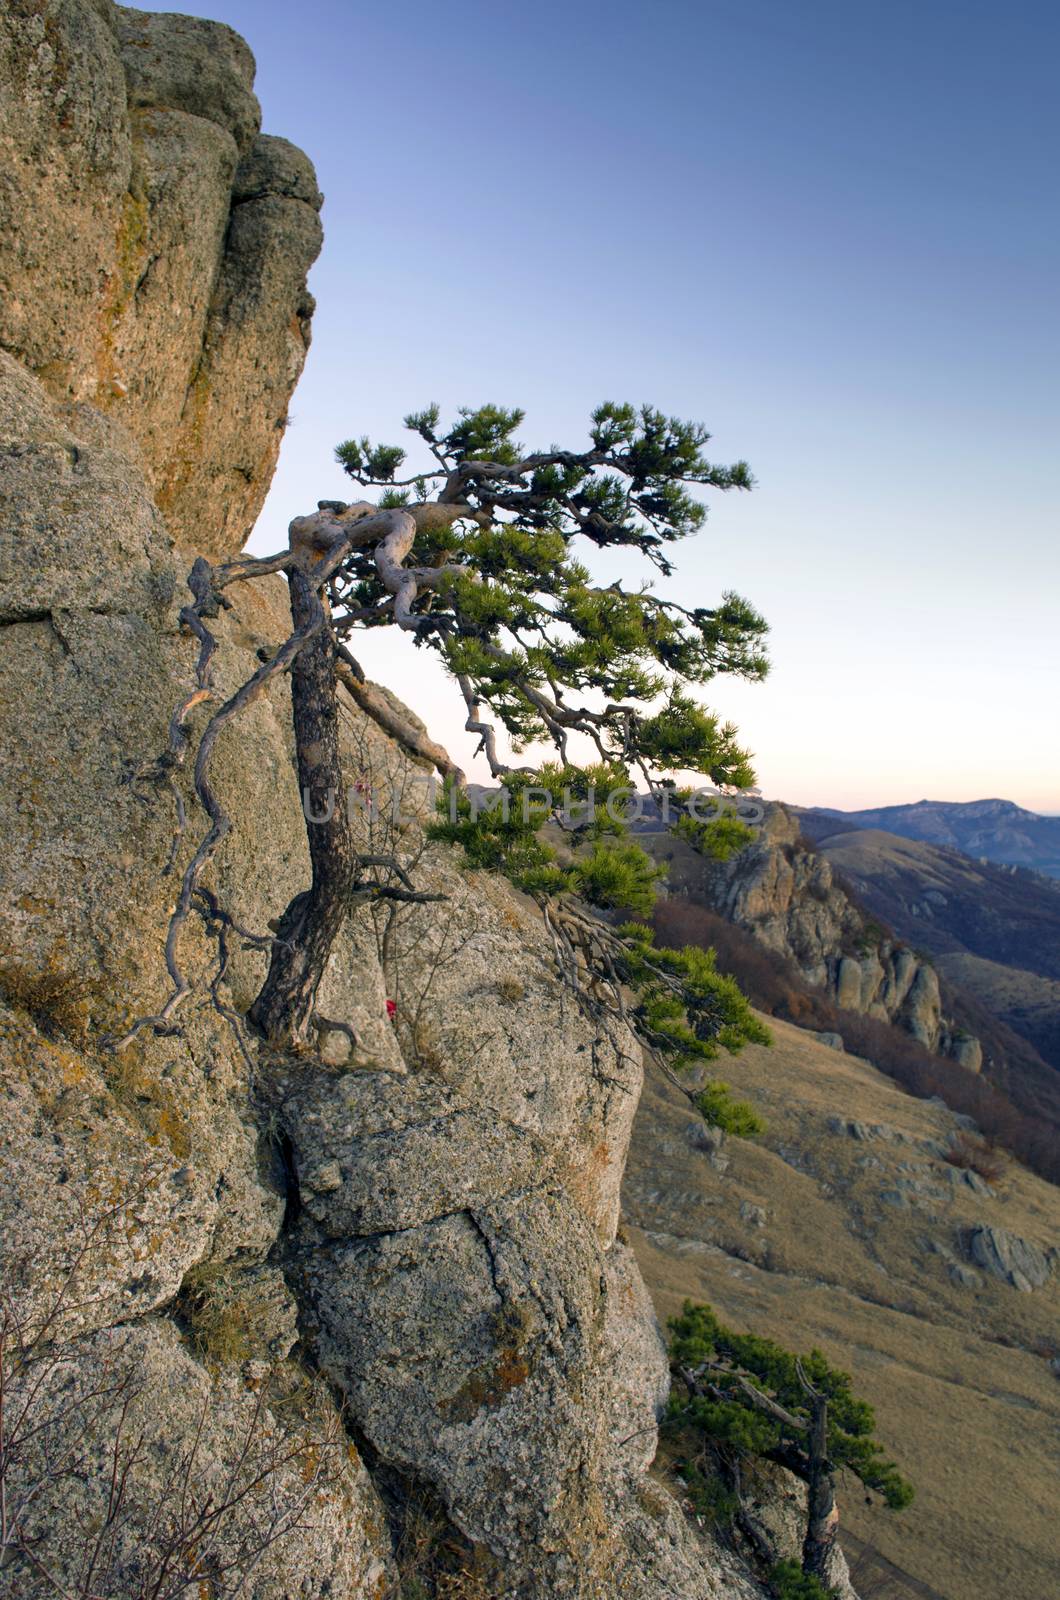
(745, 1396)
(476, 555)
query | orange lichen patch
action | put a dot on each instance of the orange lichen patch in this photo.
(600, 1158)
(54, 998)
(584, 1176)
(153, 1104)
(511, 1371)
(489, 1385)
(190, 451)
(172, 1128)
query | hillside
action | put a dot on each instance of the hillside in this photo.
(844, 1228)
(994, 931)
(862, 918)
(1025, 1002)
(782, 891)
(995, 830)
(949, 902)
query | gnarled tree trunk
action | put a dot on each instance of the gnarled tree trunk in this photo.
(283, 1010)
(822, 1515)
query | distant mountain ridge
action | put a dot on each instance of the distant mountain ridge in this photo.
(991, 830)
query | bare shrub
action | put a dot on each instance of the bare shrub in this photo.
(769, 980)
(974, 1154)
(102, 1498)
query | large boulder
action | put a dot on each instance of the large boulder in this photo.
(122, 1173)
(1004, 1255)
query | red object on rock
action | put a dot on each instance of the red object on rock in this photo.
(391, 1008)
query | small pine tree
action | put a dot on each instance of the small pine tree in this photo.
(720, 838)
(788, 1582)
(717, 1106)
(750, 1397)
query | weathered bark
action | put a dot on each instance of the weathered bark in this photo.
(310, 925)
(822, 1515)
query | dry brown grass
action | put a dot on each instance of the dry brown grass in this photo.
(226, 1329)
(434, 1560)
(775, 985)
(970, 1419)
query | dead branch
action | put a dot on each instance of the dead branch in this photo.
(164, 1519)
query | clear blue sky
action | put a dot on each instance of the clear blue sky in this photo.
(828, 230)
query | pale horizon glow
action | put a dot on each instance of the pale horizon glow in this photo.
(829, 233)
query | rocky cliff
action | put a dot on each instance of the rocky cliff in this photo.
(277, 1302)
(994, 930)
(786, 894)
(155, 246)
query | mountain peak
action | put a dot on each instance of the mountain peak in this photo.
(991, 829)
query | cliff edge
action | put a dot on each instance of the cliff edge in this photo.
(270, 1318)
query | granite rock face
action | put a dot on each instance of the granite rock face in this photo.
(154, 246)
(442, 1194)
(93, 660)
(129, 1176)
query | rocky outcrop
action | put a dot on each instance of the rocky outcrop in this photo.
(1004, 1255)
(154, 246)
(785, 894)
(421, 1220)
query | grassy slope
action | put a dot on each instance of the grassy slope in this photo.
(966, 1398)
(946, 902)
